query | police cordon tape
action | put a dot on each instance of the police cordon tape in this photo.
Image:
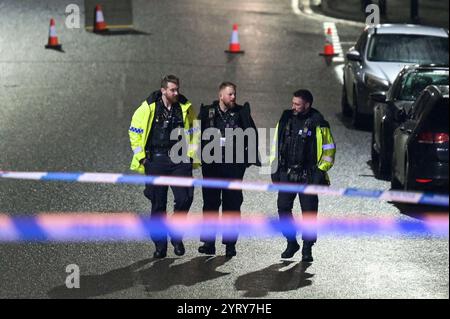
(83, 227)
(392, 196)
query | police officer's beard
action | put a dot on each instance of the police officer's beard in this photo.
(172, 100)
(230, 105)
(304, 112)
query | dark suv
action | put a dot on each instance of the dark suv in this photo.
(420, 153)
(389, 106)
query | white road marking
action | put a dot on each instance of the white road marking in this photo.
(295, 8)
(339, 70)
(306, 11)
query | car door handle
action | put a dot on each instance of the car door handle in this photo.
(404, 129)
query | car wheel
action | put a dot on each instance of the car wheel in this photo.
(346, 109)
(395, 184)
(374, 155)
(357, 118)
(383, 168)
(409, 181)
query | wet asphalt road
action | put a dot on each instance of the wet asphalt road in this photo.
(71, 112)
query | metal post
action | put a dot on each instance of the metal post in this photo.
(415, 10)
(364, 4)
(382, 5)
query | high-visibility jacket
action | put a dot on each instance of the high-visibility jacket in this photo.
(141, 125)
(325, 146)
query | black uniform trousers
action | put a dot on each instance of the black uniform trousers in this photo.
(231, 201)
(309, 205)
(162, 165)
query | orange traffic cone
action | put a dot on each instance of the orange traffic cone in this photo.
(53, 38)
(235, 47)
(99, 20)
(328, 49)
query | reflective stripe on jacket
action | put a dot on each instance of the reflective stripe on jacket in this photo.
(141, 125)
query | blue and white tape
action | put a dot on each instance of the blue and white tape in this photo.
(83, 227)
(392, 196)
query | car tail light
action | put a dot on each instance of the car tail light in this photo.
(423, 180)
(432, 138)
(440, 137)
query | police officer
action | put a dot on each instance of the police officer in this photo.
(303, 152)
(150, 136)
(224, 116)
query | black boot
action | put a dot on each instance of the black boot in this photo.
(307, 251)
(291, 249)
(230, 250)
(207, 248)
(178, 247)
(161, 250)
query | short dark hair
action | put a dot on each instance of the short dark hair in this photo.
(226, 84)
(305, 95)
(169, 78)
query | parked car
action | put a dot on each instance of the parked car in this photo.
(378, 56)
(420, 152)
(410, 82)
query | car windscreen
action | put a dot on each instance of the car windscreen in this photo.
(408, 48)
(415, 82)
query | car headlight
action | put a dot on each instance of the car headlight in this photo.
(375, 83)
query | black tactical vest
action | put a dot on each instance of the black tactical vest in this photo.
(213, 117)
(164, 122)
(298, 143)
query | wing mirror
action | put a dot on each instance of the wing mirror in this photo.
(378, 97)
(354, 55)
